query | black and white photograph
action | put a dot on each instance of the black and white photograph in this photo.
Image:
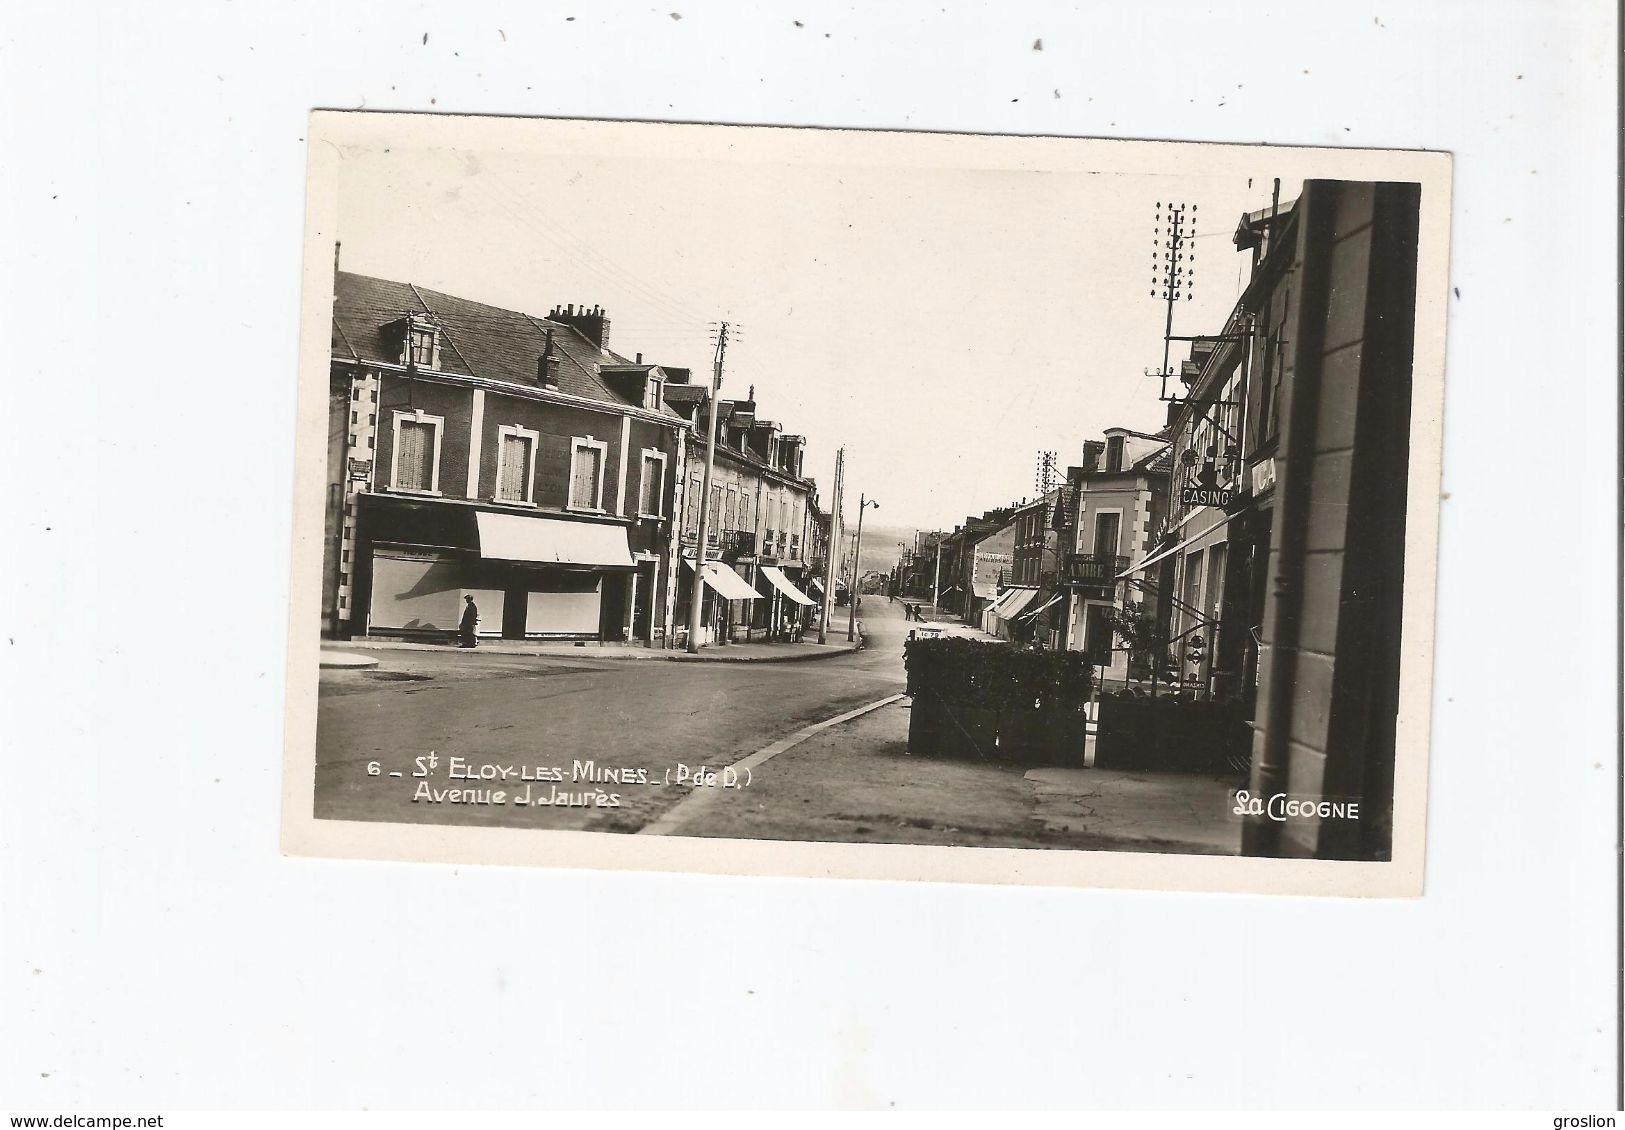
(739, 558)
(821, 487)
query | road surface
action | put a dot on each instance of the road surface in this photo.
(537, 718)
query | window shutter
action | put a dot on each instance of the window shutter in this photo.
(585, 490)
(515, 465)
(652, 474)
(414, 463)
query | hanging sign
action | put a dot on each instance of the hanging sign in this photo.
(1206, 496)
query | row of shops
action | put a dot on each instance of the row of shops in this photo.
(487, 454)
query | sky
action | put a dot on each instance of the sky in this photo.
(943, 320)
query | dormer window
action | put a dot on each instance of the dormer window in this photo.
(1114, 454)
(420, 347)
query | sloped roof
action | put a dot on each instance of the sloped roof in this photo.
(476, 340)
(1158, 461)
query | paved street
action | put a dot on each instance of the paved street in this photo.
(535, 714)
(527, 726)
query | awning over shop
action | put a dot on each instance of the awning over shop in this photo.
(552, 541)
(1052, 598)
(725, 582)
(1014, 601)
(1175, 548)
(782, 583)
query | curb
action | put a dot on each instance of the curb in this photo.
(611, 654)
(343, 661)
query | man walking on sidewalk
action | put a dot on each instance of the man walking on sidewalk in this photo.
(468, 629)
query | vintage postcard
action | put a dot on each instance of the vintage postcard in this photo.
(865, 504)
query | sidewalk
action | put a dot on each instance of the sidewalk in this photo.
(808, 649)
(858, 783)
(948, 624)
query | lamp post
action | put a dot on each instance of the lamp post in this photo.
(864, 502)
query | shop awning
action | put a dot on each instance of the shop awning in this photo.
(782, 583)
(725, 582)
(1054, 597)
(1013, 601)
(551, 541)
(1175, 548)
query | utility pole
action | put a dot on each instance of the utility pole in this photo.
(698, 596)
(1173, 267)
(936, 573)
(864, 502)
(833, 549)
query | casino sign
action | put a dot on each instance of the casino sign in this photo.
(1201, 486)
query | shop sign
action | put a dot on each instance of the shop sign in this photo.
(361, 468)
(1206, 496)
(1263, 475)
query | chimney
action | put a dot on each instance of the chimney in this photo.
(592, 324)
(1092, 451)
(547, 365)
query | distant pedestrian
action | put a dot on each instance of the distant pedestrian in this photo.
(468, 629)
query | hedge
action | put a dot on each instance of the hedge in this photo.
(975, 675)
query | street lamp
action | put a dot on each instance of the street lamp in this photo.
(864, 502)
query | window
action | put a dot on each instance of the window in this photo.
(691, 509)
(1193, 587)
(415, 465)
(652, 485)
(1106, 533)
(516, 463)
(730, 510)
(1114, 454)
(1215, 580)
(422, 345)
(587, 473)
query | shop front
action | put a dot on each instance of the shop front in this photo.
(789, 603)
(533, 577)
(726, 602)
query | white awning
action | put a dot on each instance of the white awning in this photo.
(1041, 607)
(1159, 555)
(725, 582)
(1013, 602)
(551, 541)
(782, 583)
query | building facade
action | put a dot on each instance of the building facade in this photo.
(1281, 558)
(1118, 496)
(477, 451)
(762, 525)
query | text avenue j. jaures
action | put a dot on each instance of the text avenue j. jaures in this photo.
(1282, 807)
